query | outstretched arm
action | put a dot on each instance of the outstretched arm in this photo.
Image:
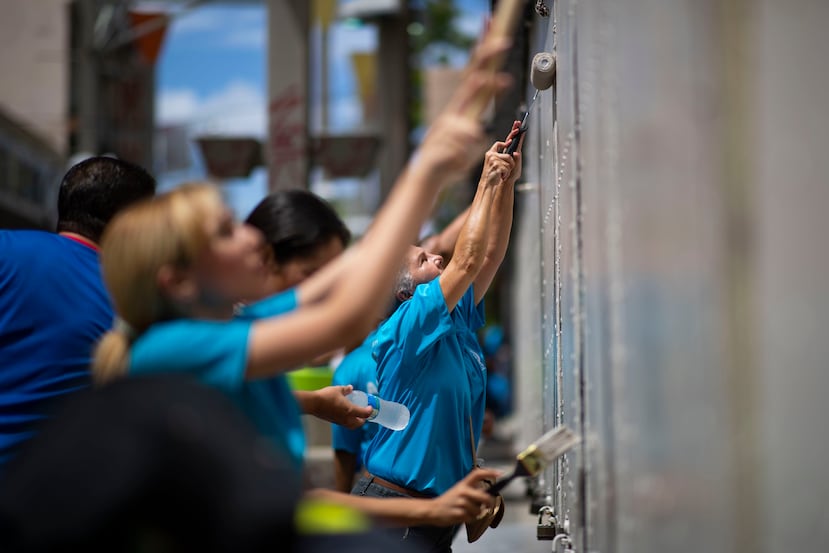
(473, 241)
(500, 224)
(461, 503)
(351, 305)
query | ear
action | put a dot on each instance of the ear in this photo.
(403, 295)
(178, 284)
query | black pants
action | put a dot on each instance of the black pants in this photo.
(434, 539)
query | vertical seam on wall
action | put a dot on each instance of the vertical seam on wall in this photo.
(578, 278)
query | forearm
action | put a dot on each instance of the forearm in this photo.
(390, 510)
(316, 287)
(498, 240)
(471, 244)
(307, 401)
(509, 170)
(345, 464)
(470, 249)
(500, 224)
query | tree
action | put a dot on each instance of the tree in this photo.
(439, 34)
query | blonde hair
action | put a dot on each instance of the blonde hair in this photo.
(168, 230)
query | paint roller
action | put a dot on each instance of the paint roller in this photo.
(542, 77)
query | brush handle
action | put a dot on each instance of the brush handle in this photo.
(519, 470)
(496, 488)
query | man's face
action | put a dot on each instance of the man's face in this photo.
(293, 272)
(422, 265)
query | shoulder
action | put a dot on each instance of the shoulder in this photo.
(215, 352)
(427, 297)
(49, 260)
(195, 330)
(278, 304)
(23, 241)
(189, 342)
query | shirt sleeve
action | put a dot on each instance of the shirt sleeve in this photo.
(417, 324)
(215, 352)
(474, 316)
(278, 304)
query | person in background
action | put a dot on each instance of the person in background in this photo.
(359, 370)
(53, 302)
(428, 356)
(302, 234)
(498, 388)
(178, 266)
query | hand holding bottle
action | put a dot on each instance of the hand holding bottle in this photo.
(392, 415)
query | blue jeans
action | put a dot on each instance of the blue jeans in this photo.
(432, 539)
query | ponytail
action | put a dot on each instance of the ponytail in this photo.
(111, 357)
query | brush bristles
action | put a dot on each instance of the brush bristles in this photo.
(531, 460)
(547, 449)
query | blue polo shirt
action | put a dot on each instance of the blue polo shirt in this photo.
(53, 309)
(429, 360)
(216, 353)
(358, 369)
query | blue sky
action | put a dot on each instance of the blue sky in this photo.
(212, 76)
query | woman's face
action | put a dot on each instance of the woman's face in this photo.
(232, 269)
(288, 274)
(423, 266)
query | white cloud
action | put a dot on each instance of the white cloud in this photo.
(176, 106)
(198, 21)
(239, 109)
(234, 28)
(236, 110)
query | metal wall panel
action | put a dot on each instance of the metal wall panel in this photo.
(679, 172)
(789, 120)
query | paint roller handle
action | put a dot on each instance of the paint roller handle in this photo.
(516, 140)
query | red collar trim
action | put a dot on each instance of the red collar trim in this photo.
(81, 240)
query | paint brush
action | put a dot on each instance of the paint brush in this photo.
(538, 455)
